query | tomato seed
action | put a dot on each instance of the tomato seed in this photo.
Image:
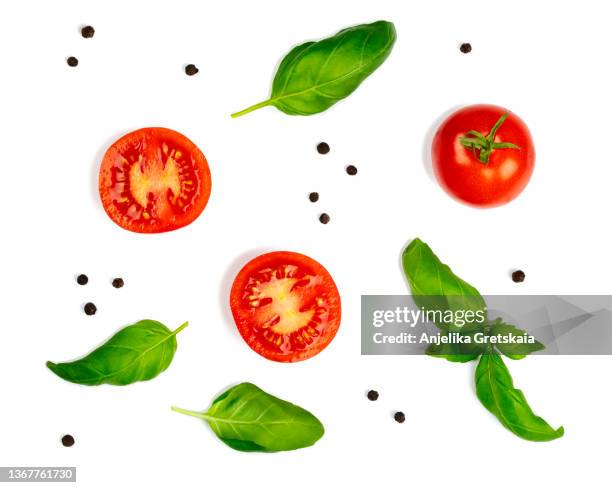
(191, 69)
(351, 170)
(82, 279)
(72, 61)
(90, 308)
(118, 283)
(322, 148)
(399, 417)
(372, 395)
(313, 197)
(88, 32)
(68, 440)
(324, 218)
(465, 48)
(518, 276)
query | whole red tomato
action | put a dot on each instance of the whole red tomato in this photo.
(483, 155)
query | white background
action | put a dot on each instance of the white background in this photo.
(548, 63)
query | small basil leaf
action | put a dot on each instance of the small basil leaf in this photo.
(513, 350)
(315, 75)
(448, 353)
(138, 352)
(495, 390)
(456, 352)
(247, 418)
(435, 287)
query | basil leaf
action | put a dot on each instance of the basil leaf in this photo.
(138, 352)
(513, 350)
(456, 352)
(435, 287)
(247, 418)
(316, 75)
(495, 390)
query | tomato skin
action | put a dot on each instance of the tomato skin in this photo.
(154, 180)
(464, 176)
(320, 294)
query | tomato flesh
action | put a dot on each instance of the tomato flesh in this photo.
(286, 306)
(464, 176)
(154, 180)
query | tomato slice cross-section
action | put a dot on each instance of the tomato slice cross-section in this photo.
(154, 180)
(286, 306)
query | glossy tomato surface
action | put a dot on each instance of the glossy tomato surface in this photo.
(154, 180)
(286, 306)
(478, 169)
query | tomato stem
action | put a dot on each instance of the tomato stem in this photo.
(251, 108)
(485, 145)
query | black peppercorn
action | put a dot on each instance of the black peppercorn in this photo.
(518, 276)
(372, 395)
(68, 440)
(88, 32)
(90, 308)
(399, 417)
(191, 70)
(351, 170)
(72, 61)
(313, 197)
(118, 282)
(324, 218)
(82, 279)
(465, 48)
(322, 148)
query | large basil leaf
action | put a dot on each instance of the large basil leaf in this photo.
(316, 75)
(138, 352)
(513, 350)
(435, 287)
(247, 418)
(495, 389)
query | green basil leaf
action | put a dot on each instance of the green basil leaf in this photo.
(456, 352)
(138, 352)
(247, 418)
(495, 390)
(513, 350)
(435, 287)
(450, 354)
(316, 75)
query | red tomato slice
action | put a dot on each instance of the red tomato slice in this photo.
(154, 180)
(286, 306)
